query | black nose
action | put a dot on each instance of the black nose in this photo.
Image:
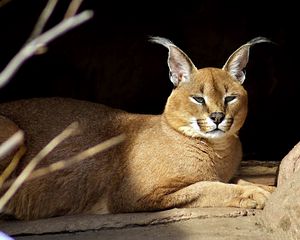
(217, 117)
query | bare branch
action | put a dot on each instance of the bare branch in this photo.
(15, 140)
(39, 26)
(70, 130)
(72, 160)
(12, 165)
(62, 27)
(72, 9)
(77, 158)
(30, 49)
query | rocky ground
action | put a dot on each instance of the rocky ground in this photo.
(214, 223)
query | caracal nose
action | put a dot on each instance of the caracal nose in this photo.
(217, 117)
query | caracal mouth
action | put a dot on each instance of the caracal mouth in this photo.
(216, 130)
(216, 133)
(193, 129)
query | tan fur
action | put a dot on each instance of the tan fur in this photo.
(170, 160)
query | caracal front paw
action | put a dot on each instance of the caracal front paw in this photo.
(250, 196)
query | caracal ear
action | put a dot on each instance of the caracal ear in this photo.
(180, 65)
(239, 59)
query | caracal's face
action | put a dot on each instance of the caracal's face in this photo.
(212, 104)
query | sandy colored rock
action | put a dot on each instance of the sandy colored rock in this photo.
(241, 228)
(78, 223)
(289, 165)
(281, 214)
(260, 172)
(185, 223)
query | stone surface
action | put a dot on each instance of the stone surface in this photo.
(281, 214)
(241, 228)
(116, 221)
(289, 165)
(260, 172)
(192, 223)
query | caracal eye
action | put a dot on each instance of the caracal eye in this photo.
(229, 99)
(199, 99)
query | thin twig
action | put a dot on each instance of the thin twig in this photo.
(30, 48)
(15, 140)
(77, 158)
(70, 130)
(12, 165)
(72, 9)
(46, 13)
(72, 160)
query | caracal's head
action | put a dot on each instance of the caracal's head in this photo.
(207, 103)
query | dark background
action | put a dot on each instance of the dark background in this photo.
(109, 59)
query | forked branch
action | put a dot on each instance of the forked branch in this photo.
(37, 41)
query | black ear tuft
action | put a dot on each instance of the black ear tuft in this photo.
(239, 59)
